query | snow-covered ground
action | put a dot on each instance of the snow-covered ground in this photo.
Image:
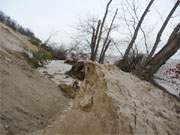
(110, 59)
(168, 76)
(55, 70)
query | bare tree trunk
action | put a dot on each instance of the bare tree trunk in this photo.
(137, 30)
(158, 38)
(101, 28)
(94, 40)
(162, 56)
(102, 54)
(92, 45)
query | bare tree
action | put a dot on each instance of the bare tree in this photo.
(137, 30)
(93, 41)
(101, 28)
(107, 41)
(96, 34)
(132, 11)
(142, 66)
(171, 47)
(158, 38)
(133, 55)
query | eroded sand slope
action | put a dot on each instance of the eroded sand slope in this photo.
(28, 101)
(113, 102)
(108, 101)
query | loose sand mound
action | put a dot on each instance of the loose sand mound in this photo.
(113, 102)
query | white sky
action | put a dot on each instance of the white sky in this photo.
(45, 17)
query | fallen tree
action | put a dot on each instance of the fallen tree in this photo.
(173, 44)
(145, 66)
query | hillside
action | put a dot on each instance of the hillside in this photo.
(14, 41)
(106, 101)
(28, 101)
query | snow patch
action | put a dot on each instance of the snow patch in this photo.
(55, 70)
(168, 76)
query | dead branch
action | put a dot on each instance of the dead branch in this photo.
(137, 29)
(162, 56)
(158, 38)
(101, 27)
(105, 44)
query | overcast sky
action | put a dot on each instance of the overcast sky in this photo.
(45, 17)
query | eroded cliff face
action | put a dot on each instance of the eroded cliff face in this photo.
(110, 101)
(28, 101)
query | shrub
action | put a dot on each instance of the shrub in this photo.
(35, 41)
(131, 62)
(39, 58)
(59, 53)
